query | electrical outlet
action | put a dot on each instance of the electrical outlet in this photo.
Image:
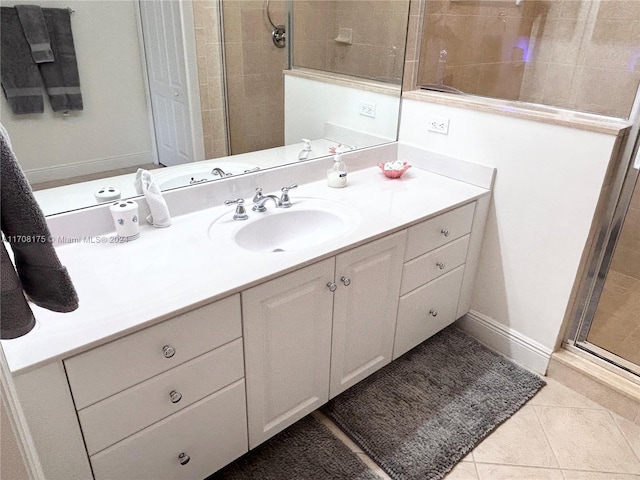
(367, 109)
(438, 125)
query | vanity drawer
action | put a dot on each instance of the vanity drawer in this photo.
(118, 365)
(114, 418)
(210, 433)
(434, 264)
(427, 310)
(437, 231)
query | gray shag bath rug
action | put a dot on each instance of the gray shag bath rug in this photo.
(305, 451)
(421, 414)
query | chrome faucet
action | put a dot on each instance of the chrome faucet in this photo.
(286, 201)
(240, 213)
(220, 172)
(259, 200)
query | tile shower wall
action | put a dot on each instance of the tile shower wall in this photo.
(254, 68)
(616, 325)
(209, 56)
(577, 54)
(485, 53)
(378, 37)
(412, 52)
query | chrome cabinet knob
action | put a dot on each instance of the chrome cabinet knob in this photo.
(175, 396)
(184, 458)
(332, 286)
(445, 232)
(168, 351)
(433, 312)
(440, 265)
(346, 281)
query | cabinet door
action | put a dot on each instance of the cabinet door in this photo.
(365, 309)
(287, 335)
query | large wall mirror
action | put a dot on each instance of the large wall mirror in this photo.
(194, 88)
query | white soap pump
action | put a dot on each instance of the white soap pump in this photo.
(305, 153)
(337, 174)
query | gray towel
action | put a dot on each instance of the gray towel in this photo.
(35, 31)
(61, 78)
(39, 272)
(20, 77)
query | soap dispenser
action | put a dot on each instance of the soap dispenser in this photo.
(305, 153)
(337, 174)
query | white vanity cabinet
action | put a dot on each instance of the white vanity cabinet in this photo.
(432, 276)
(315, 332)
(364, 310)
(167, 401)
(287, 337)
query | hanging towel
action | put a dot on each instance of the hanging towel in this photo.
(40, 275)
(145, 184)
(36, 33)
(61, 78)
(20, 77)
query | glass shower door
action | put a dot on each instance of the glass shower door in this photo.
(610, 327)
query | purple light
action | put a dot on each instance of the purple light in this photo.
(523, 44)
(633, 62)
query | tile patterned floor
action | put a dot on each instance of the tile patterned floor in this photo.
(557, 435)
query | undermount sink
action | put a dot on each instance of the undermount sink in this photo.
(307, 223)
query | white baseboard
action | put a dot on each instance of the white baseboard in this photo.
(87, 167)
(513, 345)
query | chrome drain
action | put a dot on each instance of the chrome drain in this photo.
(278, 250)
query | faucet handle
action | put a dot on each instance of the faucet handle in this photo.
(241, 213)
(258, 195)
(286, 201)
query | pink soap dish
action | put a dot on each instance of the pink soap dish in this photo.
(394, 173)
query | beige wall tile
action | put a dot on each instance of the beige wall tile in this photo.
(410, 76)
(252, 25)
(413, 30)
(619, 9)
(635, 198)
(533, 80)
(565, 36)
(465, 78)
(596, 92)
(558, 85)
(209, 55)
(433, 6)
(575, 9)
(615, 321)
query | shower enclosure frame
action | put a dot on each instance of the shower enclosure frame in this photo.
(604, 246)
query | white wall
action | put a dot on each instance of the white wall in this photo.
(113, 129)
(309, 104)
(547, 186)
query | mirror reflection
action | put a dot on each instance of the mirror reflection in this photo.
(198, 90)
(581, 55)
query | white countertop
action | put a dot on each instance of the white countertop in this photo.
(125, 287)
